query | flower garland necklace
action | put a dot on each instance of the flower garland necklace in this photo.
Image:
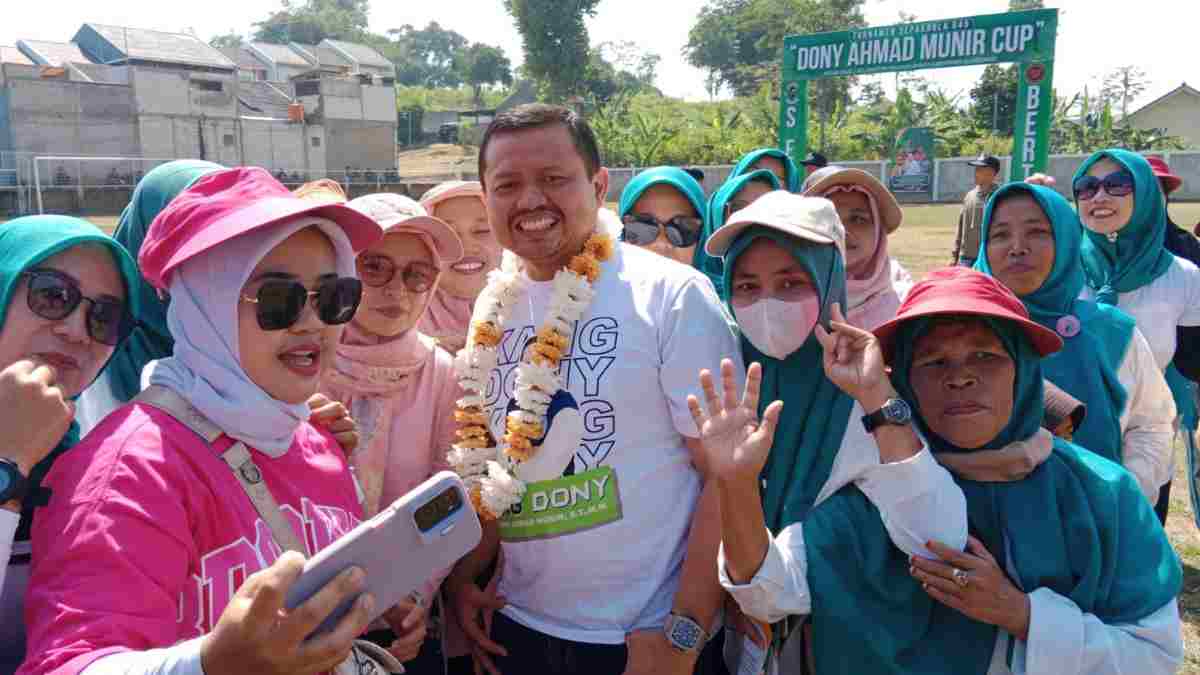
(487, 467)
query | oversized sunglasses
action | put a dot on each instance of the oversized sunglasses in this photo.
(281, 302)
(1116, 184)
(377, 271)
(642, 228)
(53, 295)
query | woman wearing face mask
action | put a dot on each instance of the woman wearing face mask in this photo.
(734, 195)
(784, 273)
(1031, 245)
(875, 282)
(156, 552)
(774, 160)
(662, 209)
(150, 340)
(460, 205)
(1067, 570)
(65, 294)
(1122, 207)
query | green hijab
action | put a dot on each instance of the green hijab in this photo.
(1137, 256)
(1095, 337)
(745, 164)
(810, 432)
(25, 243)
(677, 178)
(1077, 525)
(151, 340)
(710, 265)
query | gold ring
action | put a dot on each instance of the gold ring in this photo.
(961, 578)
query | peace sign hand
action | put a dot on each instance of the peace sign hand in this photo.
(735, 444)
(854, 361)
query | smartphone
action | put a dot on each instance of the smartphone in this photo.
(400, 548)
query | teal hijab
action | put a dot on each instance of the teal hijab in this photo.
(1095, 336)
(746, 163)
(1137, 257)
(1077, 525)
(712, 266)
(25, 243)
(677, 178)
(151, 340)
(810, 431)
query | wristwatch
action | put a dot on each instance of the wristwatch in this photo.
(13, 483)
(685, 634)
(895, 411)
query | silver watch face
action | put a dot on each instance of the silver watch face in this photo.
(685, 633)
(897, 411)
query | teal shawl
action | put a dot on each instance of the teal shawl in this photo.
(794, 178)
(1077, 525)
(1087, 365)
(24, 244)
(151, 340)
(816, 412)
(1137, 257)
(678, 179)
(712, 266)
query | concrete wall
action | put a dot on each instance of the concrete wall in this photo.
(360, 145)
(167, 92)
(277, 145)
(72, 118)
(1178, 114)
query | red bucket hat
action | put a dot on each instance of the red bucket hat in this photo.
(1170, 181)
(229, 203)
(958, 290)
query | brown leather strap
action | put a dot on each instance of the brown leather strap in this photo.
(237, 457)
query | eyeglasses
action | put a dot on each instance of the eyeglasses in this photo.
(54, 296)
(281, 302)
(378, 270)
(1116, 184)
(642, 228)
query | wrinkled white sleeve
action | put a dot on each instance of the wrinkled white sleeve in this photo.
(917, 500)
(1065, 641)
(1147, 422)
(181, 659)
(8, 529)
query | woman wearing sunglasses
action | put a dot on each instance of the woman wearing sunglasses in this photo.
(1123, 210)
(64, 307)
(162, 546)
(735, 194)
(662, 210)
(875, 282)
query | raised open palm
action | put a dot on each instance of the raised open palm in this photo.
(735, 443)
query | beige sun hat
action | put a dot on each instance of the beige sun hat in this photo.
(397, 213)
(810, 218)
(823, 180)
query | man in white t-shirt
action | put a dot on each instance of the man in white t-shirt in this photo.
(634, 590)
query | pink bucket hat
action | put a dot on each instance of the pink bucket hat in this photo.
(449, 190)
(226, 204)
(397, 213)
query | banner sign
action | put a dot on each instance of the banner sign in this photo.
(912, 167)
(1026, 37)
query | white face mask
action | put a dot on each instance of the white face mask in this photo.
(777, 328)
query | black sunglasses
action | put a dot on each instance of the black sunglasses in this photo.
(1116, 184)
(377, 271)
(53, 295)
(642, 228)
(281, 302)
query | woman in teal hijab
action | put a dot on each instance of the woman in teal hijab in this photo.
(64, 305)
(1032, 239)
(774, 160)
(735, 194)
(1122, 206)
(1066, 571)
(664, 210)
(151, 340)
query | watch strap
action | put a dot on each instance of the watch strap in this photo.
(16, 487)
(674, 620)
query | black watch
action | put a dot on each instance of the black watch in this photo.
(13, 483)
(895, 411)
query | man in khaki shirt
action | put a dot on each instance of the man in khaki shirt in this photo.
(970, 220)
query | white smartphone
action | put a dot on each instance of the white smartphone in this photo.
(400, 548)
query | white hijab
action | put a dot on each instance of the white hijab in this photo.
(203, 318)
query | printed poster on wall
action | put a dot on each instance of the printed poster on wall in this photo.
(912, 166)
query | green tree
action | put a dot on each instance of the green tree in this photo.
(427, 57)
(994, 100)
(230, 39)
(482, 65)
(1124, 85)
(555, 39)
(311, 21)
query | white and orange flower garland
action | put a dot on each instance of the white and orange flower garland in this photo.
(485, 465)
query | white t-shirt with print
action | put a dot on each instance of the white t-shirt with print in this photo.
(1171, 300)
(634, 358)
